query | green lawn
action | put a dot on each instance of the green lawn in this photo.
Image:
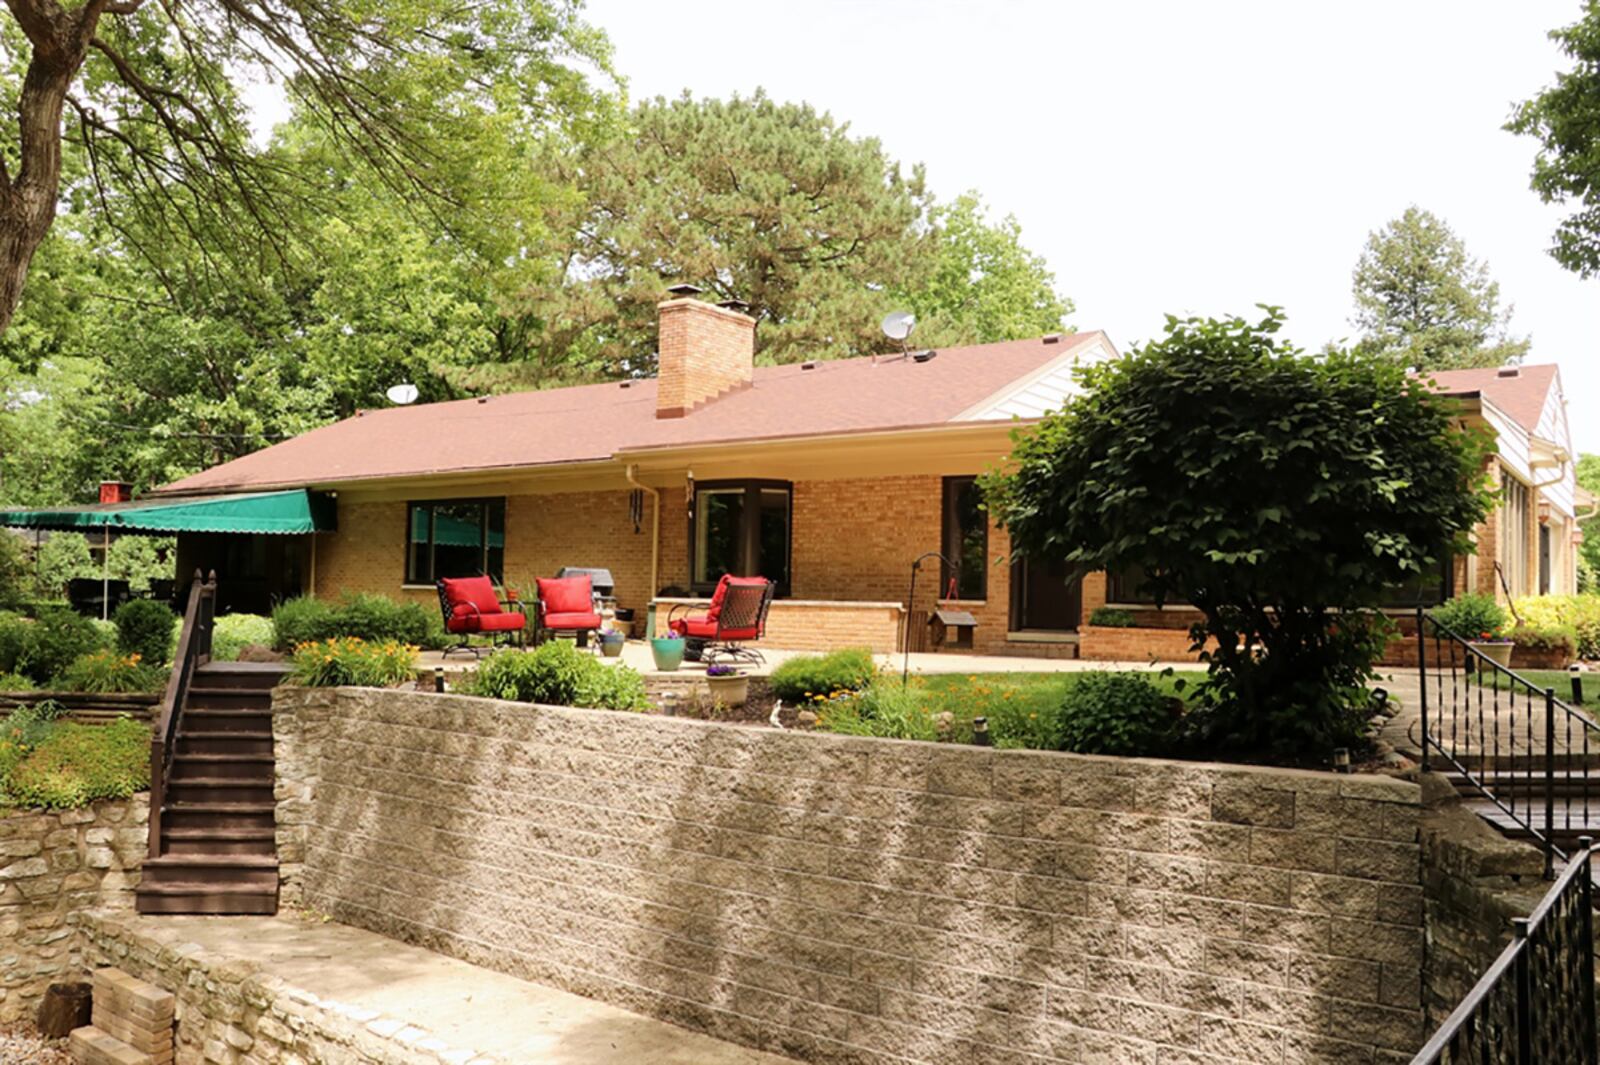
(1044, 689)
(1559, 679)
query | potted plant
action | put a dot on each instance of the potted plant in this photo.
(1481, 622)
(728, 686)
(667, 651)
(611, 641)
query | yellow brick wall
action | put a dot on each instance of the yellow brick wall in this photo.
(704, 351)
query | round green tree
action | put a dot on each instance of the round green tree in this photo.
(1279, 494)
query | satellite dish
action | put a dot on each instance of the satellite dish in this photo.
(400, 395)
(898, 325)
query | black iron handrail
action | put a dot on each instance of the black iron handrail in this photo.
(1499, 731)
(193, 650)
(1536, 1003)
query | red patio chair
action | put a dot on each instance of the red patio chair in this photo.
(566, 608)
(471, 606)
(737, 615)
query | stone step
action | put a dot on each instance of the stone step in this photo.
(91, 1046)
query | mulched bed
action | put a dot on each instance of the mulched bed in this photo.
(23, 1045)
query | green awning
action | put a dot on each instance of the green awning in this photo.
(278, 513)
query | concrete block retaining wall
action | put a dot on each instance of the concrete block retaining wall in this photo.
(53, 863)
(867, 901)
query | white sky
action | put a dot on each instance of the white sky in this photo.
(1179, 157)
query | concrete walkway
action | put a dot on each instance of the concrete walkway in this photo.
(363, 975)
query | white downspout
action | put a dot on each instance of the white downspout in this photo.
(629, 471)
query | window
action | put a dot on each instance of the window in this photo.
(1515, 515)
(742, 528)
(965, 539)
(455, 538)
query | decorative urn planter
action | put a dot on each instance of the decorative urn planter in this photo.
(1496, 651)
(611, 642)
(668, 652)
(731, 689)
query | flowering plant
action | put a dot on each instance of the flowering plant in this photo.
(722, 671)
(352, 660)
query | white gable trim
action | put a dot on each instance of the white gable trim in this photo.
(1044, 390)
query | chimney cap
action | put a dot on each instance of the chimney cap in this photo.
(684, 289)
(735, 305)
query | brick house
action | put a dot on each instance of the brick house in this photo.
(829, 478)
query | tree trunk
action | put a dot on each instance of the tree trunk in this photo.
(28, 202)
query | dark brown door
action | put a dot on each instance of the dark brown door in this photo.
(1045, 596)
(1544, 560)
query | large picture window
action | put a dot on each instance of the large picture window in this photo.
(455, 538)
(742, 528)
(965, 538)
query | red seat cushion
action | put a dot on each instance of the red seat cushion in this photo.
(474, 594)
(572, 619)
(501, 621)
(566, 595)
(694, 626)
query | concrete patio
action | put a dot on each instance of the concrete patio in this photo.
(410, 1004)
(636, 653)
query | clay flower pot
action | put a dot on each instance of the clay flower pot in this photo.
(1496, 651)
(729, 689)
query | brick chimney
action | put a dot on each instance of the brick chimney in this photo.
(115, 492)
(704, 351)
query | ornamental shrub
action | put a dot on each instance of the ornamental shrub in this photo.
(145, 628)
(350, 660)
(74, 765)
(1270, 489)
(13, 640)
(806, 677)
(234, 632)
(1581, 612)
(107, 672)
(56, 639)
(1473, 617)
(373, 618)
(1110, 617)
(15, 682)
(301, 620)
(1562, 639)
(1115, 713)
(558, 674)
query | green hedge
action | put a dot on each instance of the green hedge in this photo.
(374, 618)
(144, 628)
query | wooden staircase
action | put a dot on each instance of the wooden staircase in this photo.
(212, 827)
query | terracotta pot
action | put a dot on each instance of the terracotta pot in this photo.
(731, 690)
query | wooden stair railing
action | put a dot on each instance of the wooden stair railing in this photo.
(193, 650)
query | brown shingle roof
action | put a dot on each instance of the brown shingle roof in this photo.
(1522, 397)
(594, 422)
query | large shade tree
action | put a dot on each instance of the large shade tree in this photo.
(1565, 119)
(1423, 301)
(784, 208)
(154, 96)
(1279, 494)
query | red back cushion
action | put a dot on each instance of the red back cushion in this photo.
(728, 581)
(566, 595)
(473, 591)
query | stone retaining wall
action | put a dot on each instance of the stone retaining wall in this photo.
(51, 864)
(854, 900)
